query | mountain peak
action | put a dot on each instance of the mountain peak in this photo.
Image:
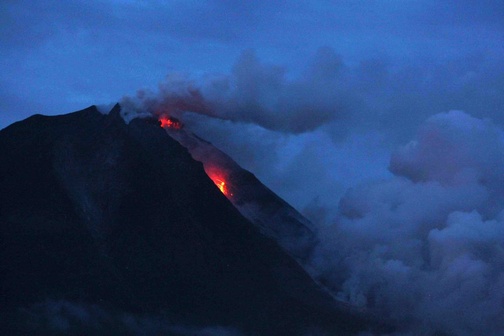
(98, 213)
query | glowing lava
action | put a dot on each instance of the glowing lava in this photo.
(222, 186)
(220, 183)
(170, 122)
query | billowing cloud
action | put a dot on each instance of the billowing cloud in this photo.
(453, 148)
(426, 247)
(373, 95)
(256, 93)
(365, 109)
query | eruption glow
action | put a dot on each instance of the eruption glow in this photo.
(170, 122)
(220, 182)
(222, 186)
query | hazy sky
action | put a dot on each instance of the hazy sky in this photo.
(59, 56)
(314, 97)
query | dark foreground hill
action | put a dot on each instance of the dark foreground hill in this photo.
(108, 228)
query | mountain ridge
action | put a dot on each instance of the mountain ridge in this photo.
(97, 211)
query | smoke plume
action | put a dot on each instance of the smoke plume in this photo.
(426, 247)
(421, 243)
(254, 93)
(354, 113)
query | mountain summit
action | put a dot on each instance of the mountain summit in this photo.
(112, 228)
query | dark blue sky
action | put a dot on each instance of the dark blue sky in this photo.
(341, 107)
(60, 56)
(361, 75)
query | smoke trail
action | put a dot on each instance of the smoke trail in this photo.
(253, 93)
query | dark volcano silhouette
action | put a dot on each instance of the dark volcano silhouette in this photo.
(112, 228)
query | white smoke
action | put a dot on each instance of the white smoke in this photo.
(426, 247)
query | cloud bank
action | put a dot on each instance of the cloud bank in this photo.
(256, 93)
(424, 243)
(372, 95)
(426, 247)
(346, 118)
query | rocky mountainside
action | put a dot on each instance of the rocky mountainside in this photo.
(273, 216)
(111, 228)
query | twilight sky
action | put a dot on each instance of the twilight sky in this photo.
(314, 97)
(60, 56)
(362, 74)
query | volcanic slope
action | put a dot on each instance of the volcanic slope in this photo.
(274, 217)
(109, 228)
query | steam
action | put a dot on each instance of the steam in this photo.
(330, 95)
(356, 114)
(426, 247)
(255, 93)
(421, 243)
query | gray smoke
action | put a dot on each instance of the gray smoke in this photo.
(355, 113)
(254, 93)
(426, 247)
(329, 94)
(421, 243)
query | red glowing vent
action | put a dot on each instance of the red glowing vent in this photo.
(170, 122)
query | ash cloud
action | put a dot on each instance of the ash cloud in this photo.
(420, 243)
(376, 105)
(255, 93)
(329, 94)
(426, 247)
(357, 113)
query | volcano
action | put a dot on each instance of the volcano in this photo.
(110, 228)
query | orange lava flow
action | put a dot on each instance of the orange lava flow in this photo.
(170, 122)
(221, 184)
